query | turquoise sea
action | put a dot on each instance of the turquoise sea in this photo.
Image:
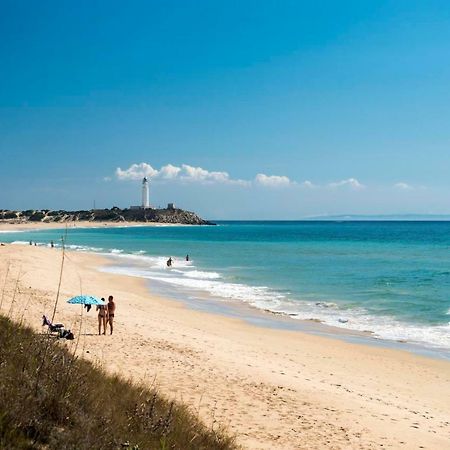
(391, 278)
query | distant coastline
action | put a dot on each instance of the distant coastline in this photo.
(383, 217)
(115, 216)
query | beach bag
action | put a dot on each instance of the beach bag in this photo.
(70, 336)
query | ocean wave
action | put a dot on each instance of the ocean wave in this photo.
(381, 327)
(38, 244)
(326, 304)
(142, 260)
(187, 277)
(81, 248)
(13, 231)
(201, 274)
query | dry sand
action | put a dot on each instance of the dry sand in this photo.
(274, 389)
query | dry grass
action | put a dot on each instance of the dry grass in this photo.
(50, 399)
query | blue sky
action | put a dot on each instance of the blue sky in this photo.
(249, 109)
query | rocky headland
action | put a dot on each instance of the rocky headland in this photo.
(113, 215)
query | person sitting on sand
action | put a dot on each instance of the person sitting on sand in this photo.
(102, 313)
(111, 306)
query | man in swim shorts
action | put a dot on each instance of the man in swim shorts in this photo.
(111, 306)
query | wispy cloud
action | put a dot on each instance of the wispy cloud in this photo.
(352, 183)
(403, 186)
(308, 184)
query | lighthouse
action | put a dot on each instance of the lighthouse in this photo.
(145, 201)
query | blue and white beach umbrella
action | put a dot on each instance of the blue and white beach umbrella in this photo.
(86, 300)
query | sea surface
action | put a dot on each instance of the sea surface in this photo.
(389, 278)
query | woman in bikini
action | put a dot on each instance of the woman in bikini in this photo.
(111, 306)
(101, 318)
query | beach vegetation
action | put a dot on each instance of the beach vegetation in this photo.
(52, 399)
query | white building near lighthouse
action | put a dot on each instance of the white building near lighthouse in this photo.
(145, 194)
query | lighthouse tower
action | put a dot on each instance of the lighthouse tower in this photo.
(145, 201)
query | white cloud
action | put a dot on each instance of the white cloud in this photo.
(136, 172)
(184, 173)
(403, 186)
(190, 173)
(169, 171)
(349, 182)
(272, 180)
(308, 184)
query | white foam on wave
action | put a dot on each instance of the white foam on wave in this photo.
(382, 327)
(141, 257)
(326, 304)
(202, 275)
(187, 277)
(81, 248)
(13, 231)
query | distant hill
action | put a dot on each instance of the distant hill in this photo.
(115, 214)
(386, 217)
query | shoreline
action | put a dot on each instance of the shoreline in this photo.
(266, 318)
(255, 314)
(14, 227)
(263, 317)
(273, 388)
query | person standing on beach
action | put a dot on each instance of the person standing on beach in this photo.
(102, 313)
(111, 306)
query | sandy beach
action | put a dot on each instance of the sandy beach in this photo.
(271, 388)
(27, 226)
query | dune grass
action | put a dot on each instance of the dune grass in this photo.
(51, 399)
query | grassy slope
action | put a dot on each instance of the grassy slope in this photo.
(53, 400)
